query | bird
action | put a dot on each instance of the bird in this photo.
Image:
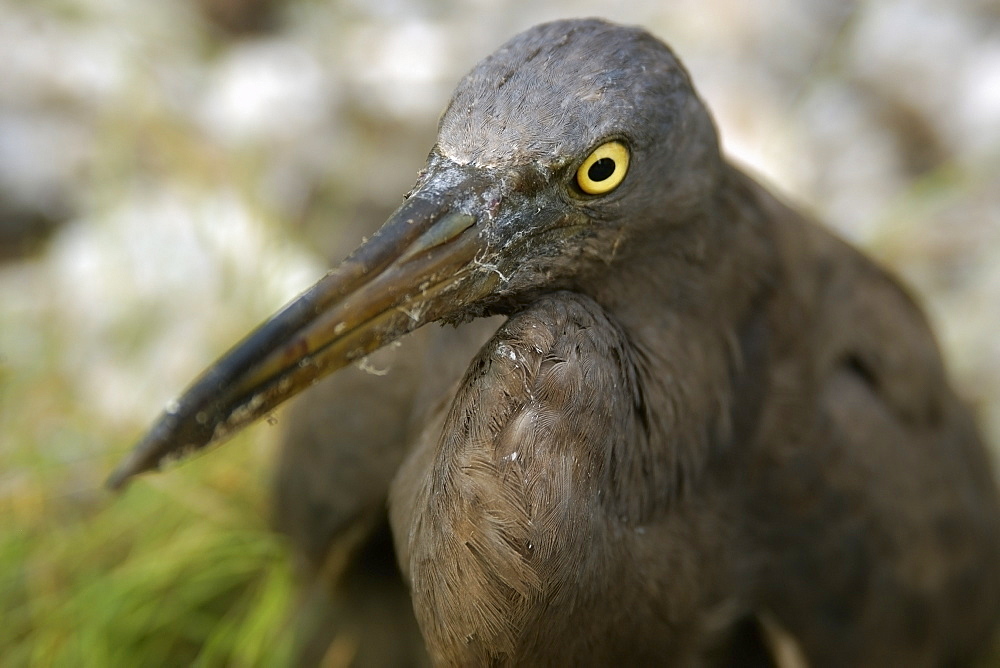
(707, 431)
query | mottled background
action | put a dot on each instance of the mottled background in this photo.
(172, 172)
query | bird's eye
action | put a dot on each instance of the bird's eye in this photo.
(603, 169)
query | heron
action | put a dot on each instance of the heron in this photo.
(702, 411)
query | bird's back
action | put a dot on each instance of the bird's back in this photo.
(874, 494)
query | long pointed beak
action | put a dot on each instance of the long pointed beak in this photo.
(419, 267)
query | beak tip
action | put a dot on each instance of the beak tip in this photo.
(122, 476)
(146, 456)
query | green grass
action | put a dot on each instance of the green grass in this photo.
(179, 570)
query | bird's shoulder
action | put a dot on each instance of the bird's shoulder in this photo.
(868, 439)
(837, 308)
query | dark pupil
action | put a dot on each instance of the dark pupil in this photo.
(601, 169)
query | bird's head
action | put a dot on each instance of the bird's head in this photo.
(572, 139)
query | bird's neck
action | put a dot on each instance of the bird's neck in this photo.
(692, 302)
(706, 271)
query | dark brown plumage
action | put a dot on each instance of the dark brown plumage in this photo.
(708, 427)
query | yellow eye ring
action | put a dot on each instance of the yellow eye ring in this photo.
(603, 169)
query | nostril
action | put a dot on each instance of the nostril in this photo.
(447, 228)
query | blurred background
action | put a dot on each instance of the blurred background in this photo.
(173, 172)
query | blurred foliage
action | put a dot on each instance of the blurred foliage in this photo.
(179, 571)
